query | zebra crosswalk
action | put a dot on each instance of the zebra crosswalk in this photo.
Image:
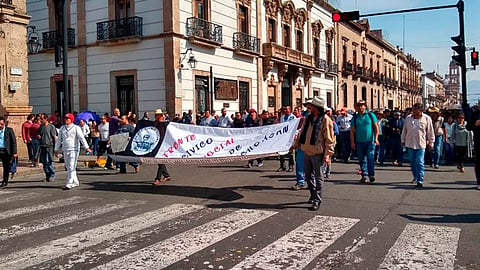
(122, 234)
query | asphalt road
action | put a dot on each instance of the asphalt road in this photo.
(227, 216)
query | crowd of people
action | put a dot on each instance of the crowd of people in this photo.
(373, 137)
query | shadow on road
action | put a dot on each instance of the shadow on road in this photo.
(406, 185)
(241, 205)
(441, 218)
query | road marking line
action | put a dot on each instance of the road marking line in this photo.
(423, 247)
(299, 247)
(73, 243)
(20, 197)
(63, 218)
(44, 206)
(178, 247)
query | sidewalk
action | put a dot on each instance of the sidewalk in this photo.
(25, 168)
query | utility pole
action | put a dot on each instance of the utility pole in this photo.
(66, 93)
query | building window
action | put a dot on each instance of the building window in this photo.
(201, 9)
(244, 93)
(316, 48)
(55, 18)
(286, 35)
(126, 93)
(363, 60)
(344, 53)
(123, 9)
(345, 95)
(329, 53)
(316, 93)
(272, 30)
(355, 58)
(364, 94)
(329, 99)
(371, 63)
(299, 41)
(243, 24)
(371, 98)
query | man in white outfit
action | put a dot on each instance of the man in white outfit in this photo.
(69, 138)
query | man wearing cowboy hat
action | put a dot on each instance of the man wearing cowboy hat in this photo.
(439, 131)
(162, 168)
(317, 142)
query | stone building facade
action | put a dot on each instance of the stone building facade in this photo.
(14, 87)
(180, 54)
(452, 85)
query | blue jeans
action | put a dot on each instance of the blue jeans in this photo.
(417, 164)
(449, 152)
(380, 151)
(46, 157)
(299, 167)
(95, 145)
(123, 166)
(436, 150)
(365, 152)
(36, 149)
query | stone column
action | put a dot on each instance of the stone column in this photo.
(14, 94)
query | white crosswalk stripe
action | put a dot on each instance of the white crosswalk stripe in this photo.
(63, 218)
(299, 247)
(423, 247)
(185, 244)
(56, 248)
(46, 206)
(135, 242)
(20, 197)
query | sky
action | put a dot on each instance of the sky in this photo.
(425, 34)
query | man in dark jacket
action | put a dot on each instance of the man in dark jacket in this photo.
(8, 149)
(473, 124)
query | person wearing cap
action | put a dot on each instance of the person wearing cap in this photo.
(69, 138)
(317, 142)
(438, 128)
(417, 135)
(364, 138)
(162, 172)
(344, 124)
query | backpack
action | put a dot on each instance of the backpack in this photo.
(369, 115)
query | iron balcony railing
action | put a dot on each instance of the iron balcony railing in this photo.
(121, 28)
(348, 67)
(332, 68)
(6, 2)
(321, 64)
(246, 42)
(53, 38)
(204, 29)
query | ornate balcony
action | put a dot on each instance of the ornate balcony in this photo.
(204, 33)
(358, 72)
(273, 50)
(6, 2)
(347, 69)
(245, 43)
(321, 64)
(53, 38)
(131, 27)
(332, 68)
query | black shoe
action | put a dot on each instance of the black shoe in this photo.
(65, 188)
(290, 169)
(314, 206)
(372, 179)
(363, 179)
(4, 184)
(281, 169)
(419, 185)
(310, 201)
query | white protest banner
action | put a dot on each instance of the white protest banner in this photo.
(192, 144)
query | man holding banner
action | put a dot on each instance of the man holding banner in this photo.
(162, 168)
(317, 142)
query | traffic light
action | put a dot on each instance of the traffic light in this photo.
(474, 58)
(345, 16)
(460, 50)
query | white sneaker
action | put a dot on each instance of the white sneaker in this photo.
(260, 164)
(478, 187)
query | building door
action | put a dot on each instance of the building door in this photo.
(364, 94)
(63, 105)
(126, 94)
(390, 104)
(329, 99)
(201, 93)
(243, 92)
(286, 90)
